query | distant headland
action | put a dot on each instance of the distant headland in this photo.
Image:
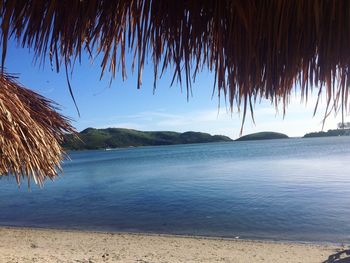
(93, 139)
(336, 132)
(263, 136)
(276, 135)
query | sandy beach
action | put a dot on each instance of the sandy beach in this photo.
(42, 245)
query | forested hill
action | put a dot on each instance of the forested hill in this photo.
(91, 139)
(337, 132)
(262, 136)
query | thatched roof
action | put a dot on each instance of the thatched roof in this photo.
(256, 48)
(30, 133)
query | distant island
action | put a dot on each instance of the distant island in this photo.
(337, 132)
(93, 139)
(262, 136)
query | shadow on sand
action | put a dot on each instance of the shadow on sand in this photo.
(339, 257)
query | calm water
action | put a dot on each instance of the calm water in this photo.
(297, 189)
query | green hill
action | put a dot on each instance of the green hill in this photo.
(263, 136)
(337, 132)
(91, 139)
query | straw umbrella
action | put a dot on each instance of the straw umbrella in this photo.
(256, 48)
(30, 133)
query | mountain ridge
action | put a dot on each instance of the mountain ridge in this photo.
(262, 136)
(329, 133)
(93, 139)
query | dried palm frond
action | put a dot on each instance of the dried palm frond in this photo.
(30, 133)
(256, 48)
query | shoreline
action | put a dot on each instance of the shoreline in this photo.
(194, 236)
(27, 244)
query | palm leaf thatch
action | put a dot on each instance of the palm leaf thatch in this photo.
(256, 48)
(30, 133)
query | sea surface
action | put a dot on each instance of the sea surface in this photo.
(291, 189)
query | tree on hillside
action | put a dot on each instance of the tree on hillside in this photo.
(343, 125)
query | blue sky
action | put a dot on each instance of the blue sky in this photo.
(121, 104)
